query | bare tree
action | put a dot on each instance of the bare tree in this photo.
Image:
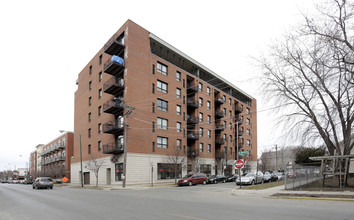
(94, 165)
(175, 159)
(311, 73)
(265, 161)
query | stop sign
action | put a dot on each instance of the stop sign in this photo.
(239, 164)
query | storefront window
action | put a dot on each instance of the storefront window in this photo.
(167, 171)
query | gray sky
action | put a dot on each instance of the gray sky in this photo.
(45, 44)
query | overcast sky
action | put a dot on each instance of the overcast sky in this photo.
(45, 44)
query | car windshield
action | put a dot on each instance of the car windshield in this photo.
(188, 176)
(250, 174)
(213, 176)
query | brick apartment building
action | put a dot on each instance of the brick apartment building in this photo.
(54, 158)
(178, 106)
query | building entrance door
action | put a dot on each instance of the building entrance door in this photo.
(119, 171)
(108, 176)
(87, 178)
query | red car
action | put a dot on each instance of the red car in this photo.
(193, 179)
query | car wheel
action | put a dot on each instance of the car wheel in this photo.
(204, 182)
(32, 187)
(252, 183)
(51, 187)
(190, 183)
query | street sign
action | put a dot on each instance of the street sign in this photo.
(242, 153)
(65, 179)
(239, 164)
(114, 159)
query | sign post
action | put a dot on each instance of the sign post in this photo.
(239, 165)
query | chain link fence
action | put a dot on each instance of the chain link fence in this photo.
(297, 175)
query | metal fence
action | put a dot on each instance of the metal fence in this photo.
(296, 175)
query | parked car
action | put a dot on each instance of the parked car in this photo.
(43, 182)
(193, 179)
(291, 174)
(6, 181)
(216, 179)
(270, 177)
(28, 182)
(279, 175)
(251, 178)
(232, 178)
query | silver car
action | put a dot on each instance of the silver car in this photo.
(251, 178)
(43, 182)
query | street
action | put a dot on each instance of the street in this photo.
(200, 202)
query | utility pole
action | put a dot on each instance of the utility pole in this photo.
(276, 157)
(128, 112)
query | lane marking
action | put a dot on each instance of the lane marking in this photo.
(187, 217)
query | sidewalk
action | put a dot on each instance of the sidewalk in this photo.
(120, 187)
(280, 193)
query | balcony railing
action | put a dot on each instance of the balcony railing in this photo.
(114, 65)
(191, 103)
(219, 141)
(193, 136)
(219, 114)
(191, 88)
(220, 155)
(191, 120)
(113, 46)
(219, 101)
(112, 127)
(113, 106)
(237, 109)
(114, 85)
(239, 133)
(193, 153)
(113, 148)
(219, 127)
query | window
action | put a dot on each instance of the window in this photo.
(248, 121)
(200, 101)
(208, 91)
(153, 107)
(224, 98)
(178, 93)
(248, 142)
(153, 88)
(162, 142)
(248, 132)
(178, 76)
(89, 149)
(161, 68)
(164, 171)
(100, 128)
(224, 124)
(208, 104)
(100, 59)
(89, 132)
(90, 69)
(179, 125)
(178, 109)
(162, 123)
(153, 126)
(184, 83)
(247, 111)
(229, 101)
(230, 150)
(100, 77)
(209, 133)
(90, 101)
(200, 87)
(209, 119)
(184, 99)
(230, 138)
(230, 126)
(200, 117)
(153, 68)
(201, 147)
(162, 105)
(99, 110)
(99, 146)
(209, 148)
(90, 85)
(100, 93)
(179, 144)
(224, 137)
(161, 86)
(201, 132)
(89, 116)
(153, 146)
(224, 111)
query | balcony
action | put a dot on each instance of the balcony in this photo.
(191, 88)
(219, 141)
(60, 158)
(114, 65)
(113, 106)
(219, 114)
(114, 85)
(193, 153)
(112, 127)
(191, 103)
(219, 101)
(240, 133)
(240, 145)
(113, 148)
(192, 121)
(237, 109)
(220, 155)
(114, 46)
(219, 127)
(193, 136)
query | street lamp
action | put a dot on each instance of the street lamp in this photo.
(81, 175)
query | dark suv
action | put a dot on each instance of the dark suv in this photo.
(193, 179)
(43, 182)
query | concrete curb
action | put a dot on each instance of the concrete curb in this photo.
(312, 198)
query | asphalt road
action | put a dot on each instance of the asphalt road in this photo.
(196, 202)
